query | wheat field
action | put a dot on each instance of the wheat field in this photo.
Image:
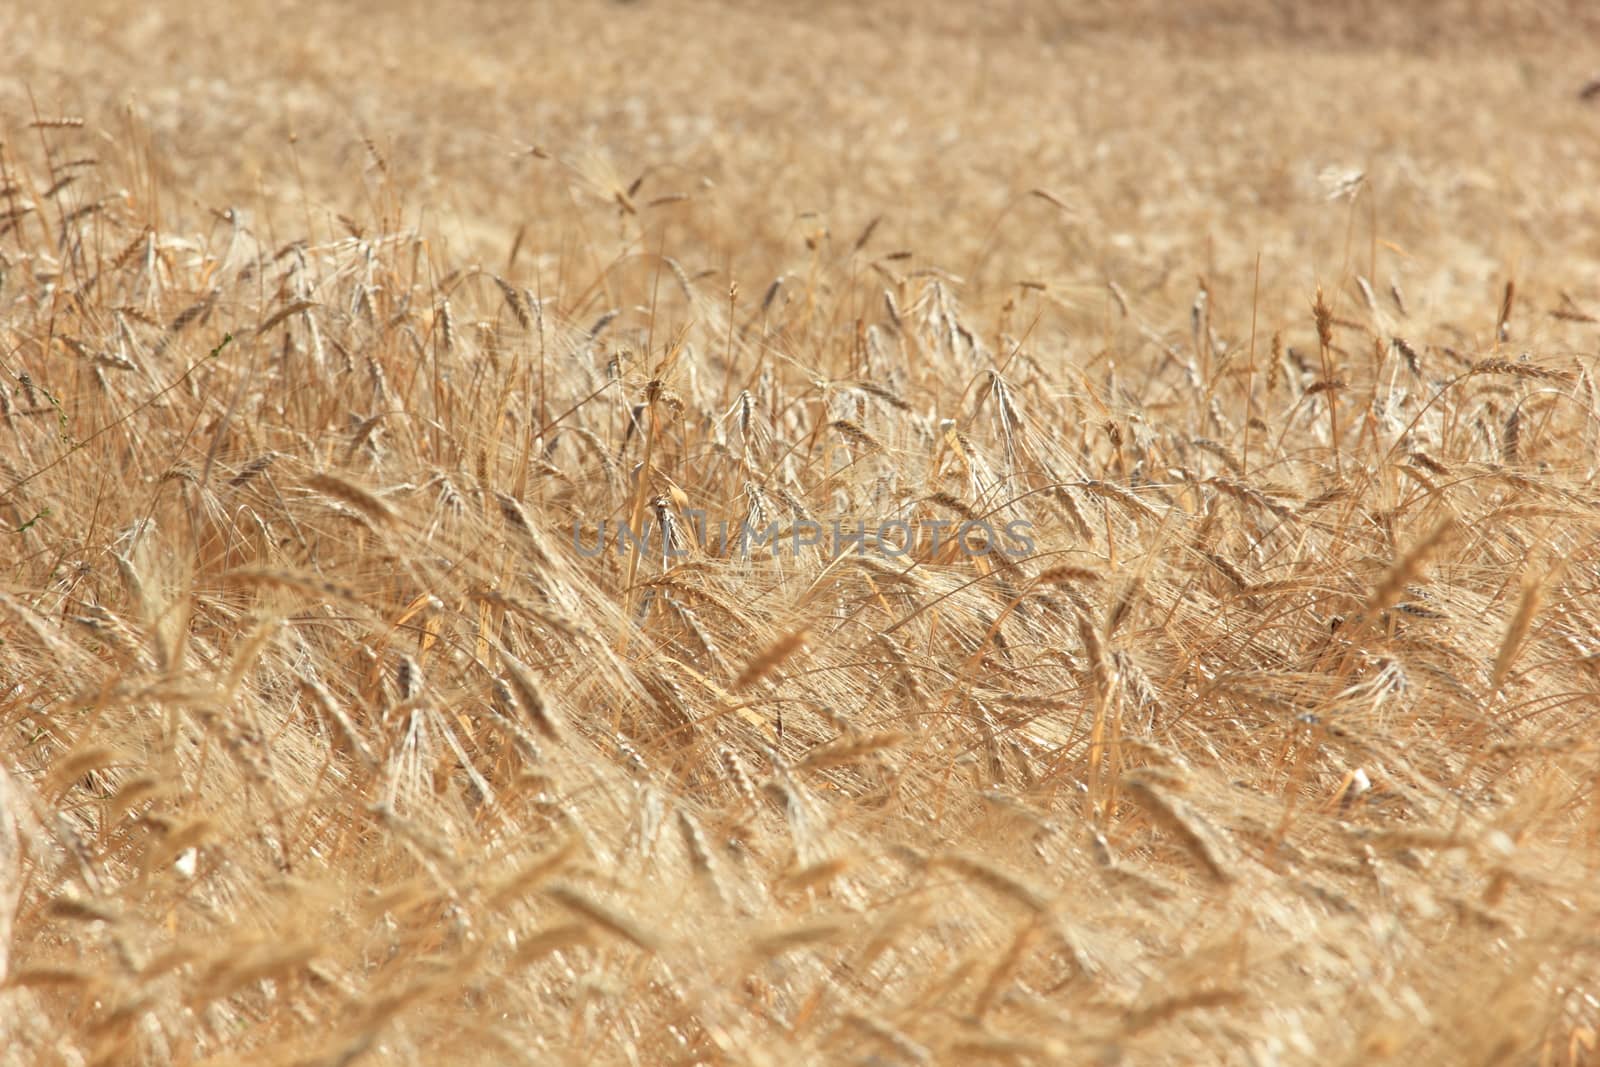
(1206, 394)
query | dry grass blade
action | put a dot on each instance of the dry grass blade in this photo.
(536, 873)
(1521, 370)
(1120, 495)
(514, 301)
(996, 880)
(295, 580)
(1407, 568)
(605, 918)
(514, 514)
(1521, 622)
(770, 659)
(374, 507)
(857, 436)
(799, 935)
(850, 750)
(1174, 817)
(1173, 1006)
(1067, 574)
(530, 698)
(293, 308)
